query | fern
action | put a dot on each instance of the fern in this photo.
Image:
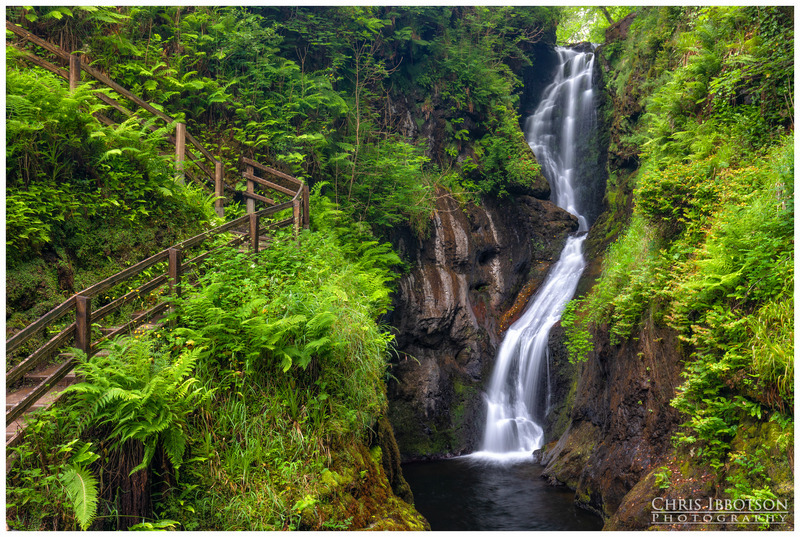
(138, 397)
(81, 488)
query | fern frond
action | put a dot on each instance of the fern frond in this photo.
(81, 489)
(174, 442)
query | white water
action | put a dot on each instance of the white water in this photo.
(515, 401)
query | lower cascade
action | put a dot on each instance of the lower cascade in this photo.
(518, 394)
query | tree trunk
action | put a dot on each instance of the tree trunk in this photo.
(606, 14)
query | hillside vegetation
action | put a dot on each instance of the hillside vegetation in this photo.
(704, 114)
(261, 406)
(384, 104)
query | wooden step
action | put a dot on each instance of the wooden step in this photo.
(45, 401)
(39, 374)
(32, 381)
(14, 429)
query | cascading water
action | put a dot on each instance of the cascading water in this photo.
(557, 132)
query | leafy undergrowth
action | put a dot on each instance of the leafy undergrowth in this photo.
(385, 103)
(255, 411)
(709, 248)
(83, 200)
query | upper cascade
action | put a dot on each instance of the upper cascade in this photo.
(560, 130)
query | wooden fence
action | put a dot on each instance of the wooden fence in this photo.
(78, 66)
(279, 192)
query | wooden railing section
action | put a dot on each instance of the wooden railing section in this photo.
(211, 167)
(78, 334)
(280, 192)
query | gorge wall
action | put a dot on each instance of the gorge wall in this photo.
(466, 284)
(462, 280)
(614, 422)
(612, 440)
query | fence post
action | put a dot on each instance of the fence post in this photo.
(254, 232)
(83, 324)
(251, 189)
(306, 208)
(296, 217)
(180, 152)
(175, 259)
(218, 188)
(74, 71)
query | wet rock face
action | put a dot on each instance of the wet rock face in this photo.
(447, 310)
(621, 420)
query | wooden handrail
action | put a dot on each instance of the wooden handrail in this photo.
(33, 58)
(273, 171)
(206, 153)
(68, 305)
(101, 77)
(79, 330)
(258, 197)
(181, 151)
(124, 274)
(269, 184)
(37, 40)
(125, 93)
(129, 297)
(42, 352)
(23, 335)
(81, 303)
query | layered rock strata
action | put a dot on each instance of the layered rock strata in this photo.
(462, 280)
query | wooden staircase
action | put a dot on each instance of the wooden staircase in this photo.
(38, 380)
(34, 380)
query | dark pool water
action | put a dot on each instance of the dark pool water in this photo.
(465, 495)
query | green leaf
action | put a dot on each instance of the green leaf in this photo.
(81, 488)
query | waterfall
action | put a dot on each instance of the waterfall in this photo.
(558, 132)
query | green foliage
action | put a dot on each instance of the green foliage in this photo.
(390, 187)
(680, 198)
(663, 478)
(88, 197)
(139, 394)
(289, 339)
(306, 312)
(307, 89)
(579, 341)
(161, 525)
(708, 250)
(634, 271)
(748, 478)
(81, 488)
(49, 484)
(731, 81)
(588, 23)
(504, 161)
(735, 292)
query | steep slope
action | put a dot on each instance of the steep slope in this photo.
(685, 390)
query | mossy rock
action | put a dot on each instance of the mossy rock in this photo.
(358, 495)
(567, 459)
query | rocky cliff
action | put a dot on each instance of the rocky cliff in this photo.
(462, 280)
(620, 420)
(611, 438)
